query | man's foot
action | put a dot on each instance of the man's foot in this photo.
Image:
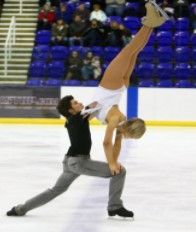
(122, 212)
(12, 212)
(153, 18)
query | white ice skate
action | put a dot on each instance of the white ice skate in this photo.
(159, 9)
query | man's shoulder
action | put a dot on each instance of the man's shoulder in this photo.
(75, 118)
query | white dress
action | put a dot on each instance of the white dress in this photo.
(106, 98)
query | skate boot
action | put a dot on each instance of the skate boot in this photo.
(16, 211)
(159, 9)
(12, 212)
(122, 212)
(153, 18)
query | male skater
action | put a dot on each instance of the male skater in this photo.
(77, 161)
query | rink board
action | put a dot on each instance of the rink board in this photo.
(157, 106)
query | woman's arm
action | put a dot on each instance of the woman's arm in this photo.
(109, 147)
(117, 145)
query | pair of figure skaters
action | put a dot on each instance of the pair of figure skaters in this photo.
(77, 161)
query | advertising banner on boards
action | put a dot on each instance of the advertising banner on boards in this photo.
(29, 102)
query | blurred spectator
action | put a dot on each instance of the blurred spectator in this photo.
(115, 7)
(96, 63)
(193, 19)
(75, 1)
(59, 33)
(126, 34)
(98, 14)
(167, 7)
(53, 3)
(43, 2)
(181, 9)
(91, 69)
(99, 2)
(64, 13)
(74, 66)
(142, 9)
(95, 34)
(87, 68)
(45, 18)
(114, 35)
(76, 31)
(83, 12)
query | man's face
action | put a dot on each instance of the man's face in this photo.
(76, 107)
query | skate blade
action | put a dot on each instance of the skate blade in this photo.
(159, 9)
(119, 218)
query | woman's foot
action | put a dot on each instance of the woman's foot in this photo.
(159, 9)
(153, 18)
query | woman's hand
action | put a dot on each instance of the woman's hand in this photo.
(115, 168)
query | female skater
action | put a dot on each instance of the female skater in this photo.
(115, 80)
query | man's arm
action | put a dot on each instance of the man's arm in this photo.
(88, 114)
(92, 105)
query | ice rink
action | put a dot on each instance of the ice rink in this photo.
(160, 185)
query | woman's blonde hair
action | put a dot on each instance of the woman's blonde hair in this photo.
(135, 127)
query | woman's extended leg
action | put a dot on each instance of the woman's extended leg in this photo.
(119, 71)
(127, 76)
(124, 62)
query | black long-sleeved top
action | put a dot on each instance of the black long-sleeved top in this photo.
(79, 135)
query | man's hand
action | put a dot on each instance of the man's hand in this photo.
(92, 105)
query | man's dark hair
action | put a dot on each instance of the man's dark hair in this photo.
(64, 106)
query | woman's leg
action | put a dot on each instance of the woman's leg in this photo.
(127, 75)
(119, 71)
(122, 65)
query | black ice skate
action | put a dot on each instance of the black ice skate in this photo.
(12, 212)
(122, 212)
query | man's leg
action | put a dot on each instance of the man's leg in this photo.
(62, 184)
(101, 169)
